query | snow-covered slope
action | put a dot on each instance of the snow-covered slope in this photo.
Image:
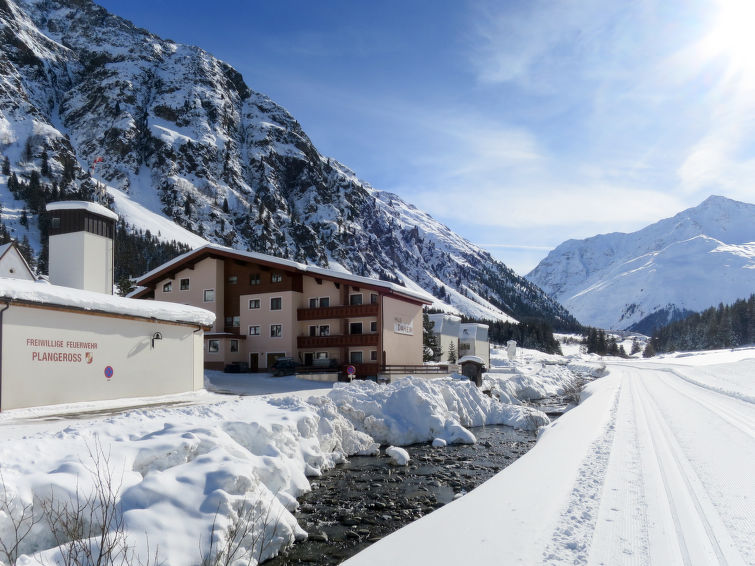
(183, 137)
(700, 257)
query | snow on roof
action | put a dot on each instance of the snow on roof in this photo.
(476, 359)
(4, 248)
(311, 269)
(45, 293)
(92, 207)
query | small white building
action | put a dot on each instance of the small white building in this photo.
(74, 341)
(473, 341)
(81, 245)
(13, 264)
(446, 327)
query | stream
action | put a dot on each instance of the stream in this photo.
(357, 503)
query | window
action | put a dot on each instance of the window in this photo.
(168, 287)
(324, 302)
(254, 279)
(313, 331)
(254, 303)
(209, 295)
(234, 345)
(373, 355)
(184, 285)
(276, 330)
(233, 321)
(321, 356)
(355, 299)
(254, 331)
(313, 303)
(233, 279)
(373, 298)
(355, 328)
(55, 222)
(373, 326)
(355, 357)
(276, 277)
(325, 330)
(213, 345)
(276, 304)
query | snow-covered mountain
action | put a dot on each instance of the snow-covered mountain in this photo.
(700, 257)
(182, 137)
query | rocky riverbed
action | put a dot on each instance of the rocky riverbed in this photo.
(360, 502)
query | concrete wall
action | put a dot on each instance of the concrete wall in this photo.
(473, 341)
(311, 290)
(402, 332)
(13, 265)
(53, 356)
(205, 275)
(264, 317)
(82, 260)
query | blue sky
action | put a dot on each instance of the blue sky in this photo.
(518, 124)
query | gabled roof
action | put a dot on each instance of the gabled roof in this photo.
(217, 251)
(5, 248)
(43, 293)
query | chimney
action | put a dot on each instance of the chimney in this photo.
(81, 245)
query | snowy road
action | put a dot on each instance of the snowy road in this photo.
(678, 486)
(657, 466)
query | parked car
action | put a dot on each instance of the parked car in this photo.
(285, 366)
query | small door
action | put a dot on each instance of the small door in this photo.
(254, 362)
(308, 358)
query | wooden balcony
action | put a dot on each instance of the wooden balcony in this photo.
(346, 311)
(337, 341)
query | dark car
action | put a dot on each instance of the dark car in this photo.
(285, 366)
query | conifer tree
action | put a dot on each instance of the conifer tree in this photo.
(6, 165)
(452, 352)
(430, 345)
(649, 351)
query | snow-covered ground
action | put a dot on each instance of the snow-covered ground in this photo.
(188, 470)
(655, 466)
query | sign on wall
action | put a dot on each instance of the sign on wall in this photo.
(401, 327)
(47, 351)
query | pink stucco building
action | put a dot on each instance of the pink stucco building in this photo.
(268, 307)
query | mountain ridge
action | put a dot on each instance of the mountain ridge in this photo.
(182, 135)
(699, 257)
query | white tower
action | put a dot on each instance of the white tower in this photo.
(81, 245)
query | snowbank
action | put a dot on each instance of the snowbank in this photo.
(226, 473)
(399, 456)
(417, 410)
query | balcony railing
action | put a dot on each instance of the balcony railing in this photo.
(337, 341)
(345, 311)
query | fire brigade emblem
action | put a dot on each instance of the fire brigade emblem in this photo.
(88, 357)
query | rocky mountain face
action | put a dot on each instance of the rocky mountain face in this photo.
(181, 134)
(697, 259)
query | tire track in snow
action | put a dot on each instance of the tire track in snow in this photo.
(700, 533)
(572, 537)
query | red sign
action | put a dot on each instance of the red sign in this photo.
(351, 370)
